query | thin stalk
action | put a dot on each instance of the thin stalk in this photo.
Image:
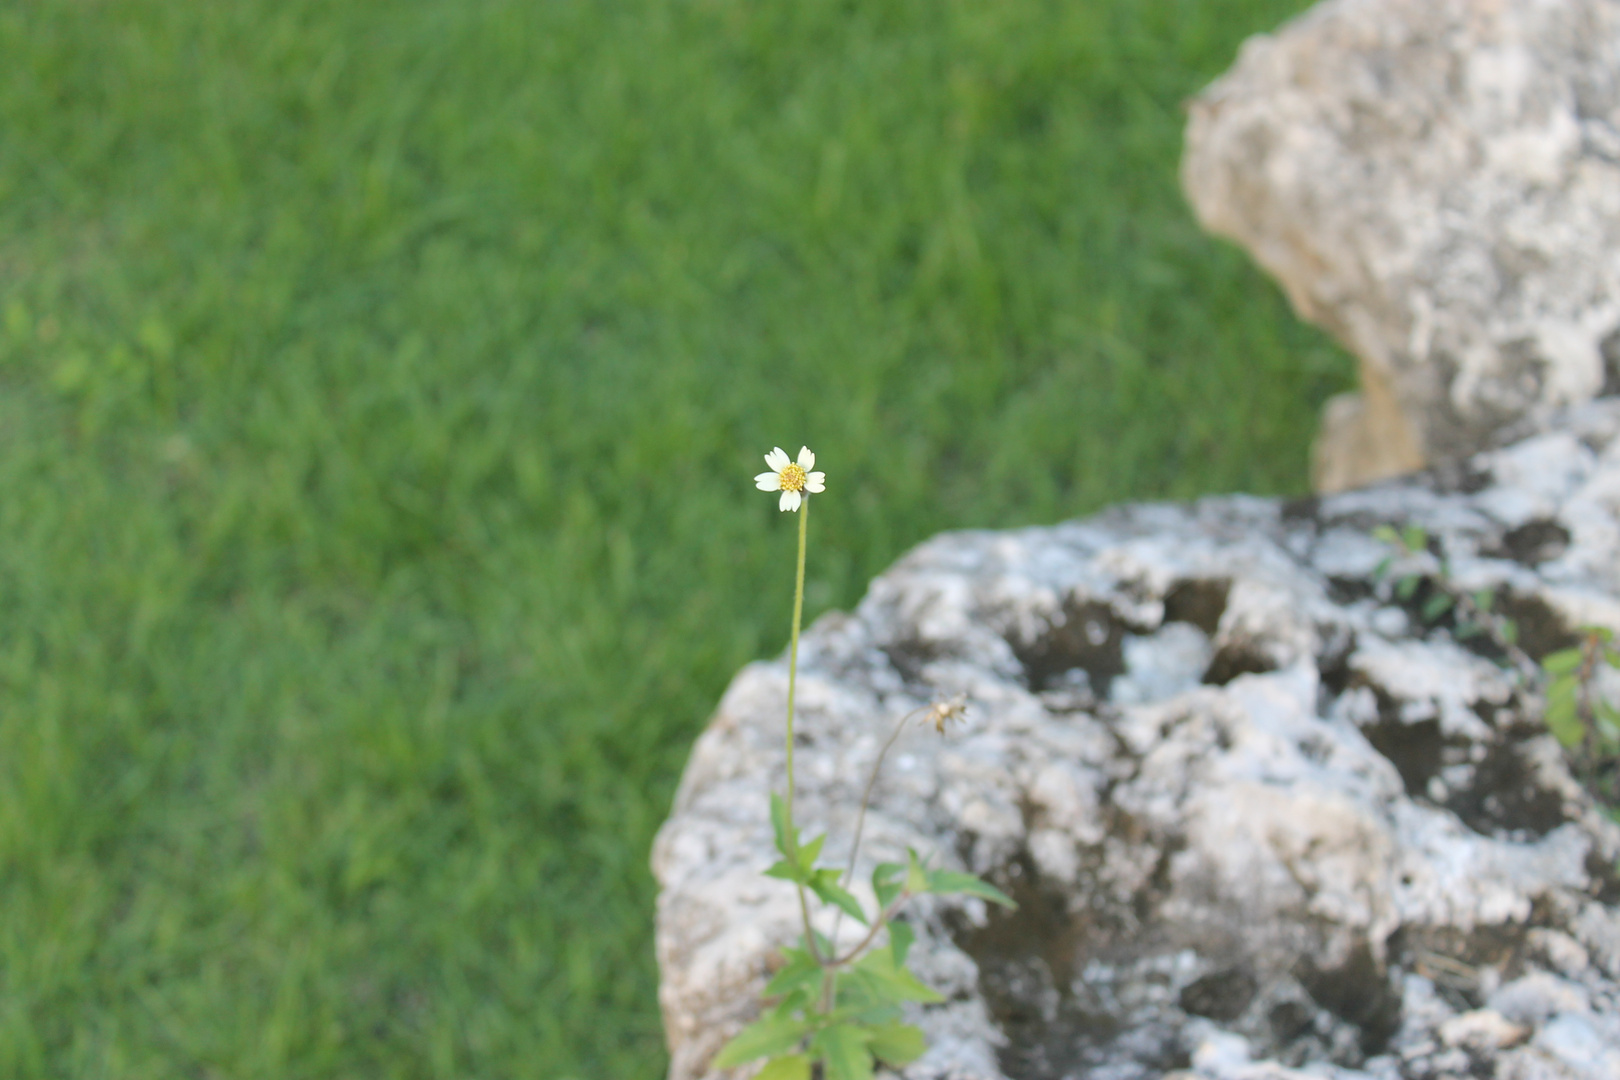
(1591, 650)
(1495, 626)
(872, 932)
(793, 679)
(860, 818)
(866, 795)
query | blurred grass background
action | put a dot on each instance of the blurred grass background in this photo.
(380, 388)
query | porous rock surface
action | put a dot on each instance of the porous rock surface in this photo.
(1436, 182)
(1263, 821)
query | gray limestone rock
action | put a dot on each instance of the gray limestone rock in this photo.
(1437, 183)
(1263, 820)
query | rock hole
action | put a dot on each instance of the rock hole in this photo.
(1605, 878)
(1345, 591)
(1460, 478)
(1304, 508)
(1234, 659)
(1500, 793)
(1089, 638)
(1505, 797)
(1221, 996)
(1027, 962)
(911, 656)
(1359, 992)
(1201, 602)
(1541, 629)
(1288, 1020)
(1333, 665)
(1609, 348)
(1463, 965)
(1532, 543)
(1416, 749)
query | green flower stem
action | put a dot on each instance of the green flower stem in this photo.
(793, 679)
(793, 647)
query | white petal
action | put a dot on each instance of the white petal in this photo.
(807, 460)
(816, 483)
(790, 500)
(776, 459)
(768, 481)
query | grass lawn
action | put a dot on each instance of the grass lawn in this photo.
(380, 389)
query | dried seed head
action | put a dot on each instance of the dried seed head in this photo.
(943, 713)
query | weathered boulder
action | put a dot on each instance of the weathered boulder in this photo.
(1259, 814)
(1436, 182)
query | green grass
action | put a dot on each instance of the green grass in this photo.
(380, 388)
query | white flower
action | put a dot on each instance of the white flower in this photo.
(791, 478)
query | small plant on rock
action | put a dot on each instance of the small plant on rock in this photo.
(1585, 723)
(1473, 611)
(836, 1011)
(1580, 718)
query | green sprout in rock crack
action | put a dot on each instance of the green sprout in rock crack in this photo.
(839, 1011)
(1473, 610)
(1580, 718)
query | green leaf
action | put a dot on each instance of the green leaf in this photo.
(1565, 725)
(1484, 599)
(916, 876)
(892, 981)
(865, 997)
(1415, 538)
(948, 881)
(797, 1000)
(825, 885)
(1382, 568)
(883, 883)
(1436, 606)
(809, 853)
(1510, 632)
(1407, 586)
(800, 867)
(801, 971)
(897, 1044)
(1466, 630)
(787, 871)
(1561, 662)
(1608, 727)
(787, 837)
(772, 1035)
(843, 1052)
(1387, 534)
(901, 935)
(789, 1067)
(1612, 657)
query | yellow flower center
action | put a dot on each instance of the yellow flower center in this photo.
(792, 478)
